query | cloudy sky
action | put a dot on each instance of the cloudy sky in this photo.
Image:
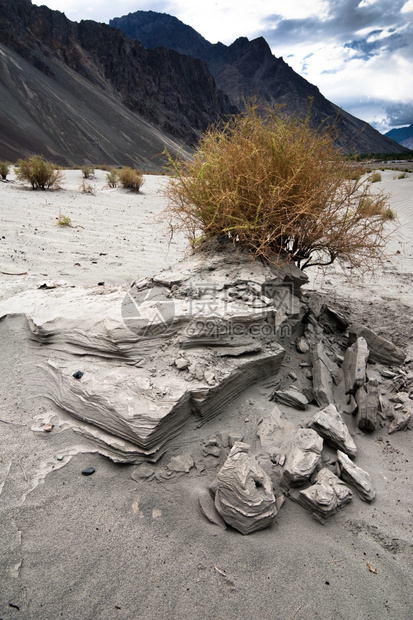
(358, 52)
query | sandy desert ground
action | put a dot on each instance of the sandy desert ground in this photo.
(109, 546)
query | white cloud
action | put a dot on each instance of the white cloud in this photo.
(408, 7)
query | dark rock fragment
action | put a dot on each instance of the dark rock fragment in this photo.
(291, 398)
(88, 471)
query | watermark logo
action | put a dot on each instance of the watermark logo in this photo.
(148, 312)
(209, 311)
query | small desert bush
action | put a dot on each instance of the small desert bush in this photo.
(87, 172)
(131, 179)
(389, 214)
(375, 177)
(112, 178)
(277, 187)
(86, 188)
(403, 175)
(39, 173)
(355, 173)
(4, 169)
(64, 220)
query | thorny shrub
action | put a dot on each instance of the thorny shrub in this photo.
(131, 179)
(112, 177)
(279, 188)
(4, 169)
(39, 173)
(87, 172)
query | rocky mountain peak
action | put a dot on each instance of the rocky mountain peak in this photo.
(248, 69)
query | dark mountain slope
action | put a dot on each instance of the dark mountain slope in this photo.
(69, 120)
(69, 90)
(248, 69)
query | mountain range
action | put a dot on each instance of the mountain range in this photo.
(403, 135)
(89, 93)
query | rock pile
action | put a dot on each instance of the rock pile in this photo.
(132, 368)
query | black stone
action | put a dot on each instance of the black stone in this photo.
(88, 471)
(78, 374)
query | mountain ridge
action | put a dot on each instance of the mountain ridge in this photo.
(107, 89)
(402, 135)
(248, 69)
(85, 93)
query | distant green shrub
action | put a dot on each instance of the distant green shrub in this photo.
(131, 179)
(87, 172)
(39, 173)
(112, 178)
(4, 169)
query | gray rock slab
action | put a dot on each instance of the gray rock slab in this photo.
(322, 376)
(145, 410)
(329, 424)
(291, 398)
(368, 400)
(207, 507)
(357, 477)
(355, 365)
(401, 421)
(381, 350)
(271, 427)
(243, 492)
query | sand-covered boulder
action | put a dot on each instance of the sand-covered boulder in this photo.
(303, 458)
(244, 495)
(326, 496)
